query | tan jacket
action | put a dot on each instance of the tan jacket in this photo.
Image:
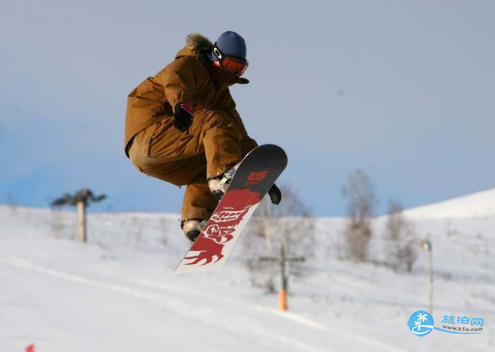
(188, 79)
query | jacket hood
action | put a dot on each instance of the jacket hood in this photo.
(195, 44)
(198, 46)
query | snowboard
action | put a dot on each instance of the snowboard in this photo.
(255, 175)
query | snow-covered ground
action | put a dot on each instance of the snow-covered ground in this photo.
(118, 291)
(476, 205)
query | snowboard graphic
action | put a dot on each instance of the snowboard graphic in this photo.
(257, 172)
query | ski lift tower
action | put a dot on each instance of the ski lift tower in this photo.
(81, 199)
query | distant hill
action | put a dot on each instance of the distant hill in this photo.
(479, 204)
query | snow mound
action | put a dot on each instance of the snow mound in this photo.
(476, 205)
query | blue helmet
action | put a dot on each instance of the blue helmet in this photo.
(230, 44)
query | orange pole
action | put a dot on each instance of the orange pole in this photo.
(282, 300)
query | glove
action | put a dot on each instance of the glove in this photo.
(183, 116)
(275, 194)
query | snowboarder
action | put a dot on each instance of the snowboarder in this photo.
(182, 126)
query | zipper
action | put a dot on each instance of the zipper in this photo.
(147, 148)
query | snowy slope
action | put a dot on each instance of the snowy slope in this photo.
(118, 291)
(480, 204)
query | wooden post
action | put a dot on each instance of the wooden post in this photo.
(81, 209)
(430, 281)
(427, 247)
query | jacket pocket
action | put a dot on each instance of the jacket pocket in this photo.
(148, 138)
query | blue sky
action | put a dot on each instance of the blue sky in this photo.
(401, 89)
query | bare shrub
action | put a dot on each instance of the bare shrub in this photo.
(359, 191)
(11, 203)
(135, 230)
(164, 227)
(399, 232)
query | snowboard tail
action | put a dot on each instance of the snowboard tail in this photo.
(257, 172)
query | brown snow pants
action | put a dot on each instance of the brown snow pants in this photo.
(215, 142)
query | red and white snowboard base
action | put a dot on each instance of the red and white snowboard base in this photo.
(254, 177)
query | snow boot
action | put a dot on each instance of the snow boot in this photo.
(218, 185)
(192, 228)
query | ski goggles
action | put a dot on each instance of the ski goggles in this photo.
(231, 63)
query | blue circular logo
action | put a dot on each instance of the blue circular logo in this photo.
(421, 323)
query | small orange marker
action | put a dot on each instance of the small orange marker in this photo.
(282, 300)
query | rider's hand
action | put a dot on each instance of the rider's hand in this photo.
(275, 194)
(183, 116)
